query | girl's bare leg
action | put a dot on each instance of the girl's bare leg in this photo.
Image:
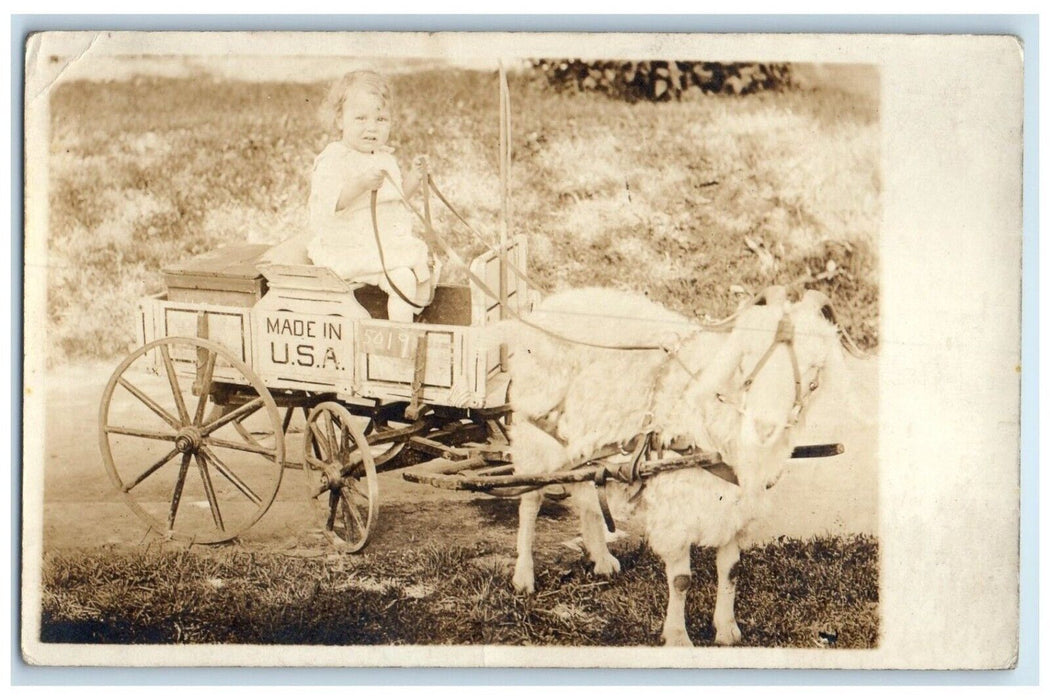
(396, 309)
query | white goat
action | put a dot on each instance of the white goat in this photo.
(571, 400)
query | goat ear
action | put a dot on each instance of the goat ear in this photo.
(820, 303)
(772, 296)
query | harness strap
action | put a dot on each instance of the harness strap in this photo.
(627, 472)
(785, 334)
(502, 254)
(432, 237)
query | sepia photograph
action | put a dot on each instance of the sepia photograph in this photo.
(504, 350)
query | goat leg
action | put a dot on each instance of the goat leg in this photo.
(524, 576)
(592, 528)
(726, 630)
(679, 577)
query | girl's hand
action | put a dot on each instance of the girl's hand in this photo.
(419, 166)
(372, 179)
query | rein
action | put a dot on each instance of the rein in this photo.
(382, 259)
(434, 238)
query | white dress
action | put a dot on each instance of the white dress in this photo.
(345, 240)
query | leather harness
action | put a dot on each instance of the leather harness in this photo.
(629, 472)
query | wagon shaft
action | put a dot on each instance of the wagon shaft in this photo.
(479, 474)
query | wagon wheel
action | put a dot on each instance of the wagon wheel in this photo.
(175, 455)
(382, 452)
(338, 458)
(254, 433)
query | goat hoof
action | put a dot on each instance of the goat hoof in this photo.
(728, 636)
(678, 638)
(607, 566)
(524, 583)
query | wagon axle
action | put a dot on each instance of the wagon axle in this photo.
(333, 478)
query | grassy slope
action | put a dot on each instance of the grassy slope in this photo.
(790, 593)
(650, 197)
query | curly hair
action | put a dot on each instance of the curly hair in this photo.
(331, 112)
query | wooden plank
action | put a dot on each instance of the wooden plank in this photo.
(234, 261)
(311, 277)
(219, 297)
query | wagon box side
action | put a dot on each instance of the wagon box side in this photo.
(304, 330)
(229, 326)
(486, 308)
(388, 355)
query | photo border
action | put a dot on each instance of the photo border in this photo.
(1025, 27)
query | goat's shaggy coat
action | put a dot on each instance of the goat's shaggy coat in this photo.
(692, 392)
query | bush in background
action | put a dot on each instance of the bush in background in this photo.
(662, 80)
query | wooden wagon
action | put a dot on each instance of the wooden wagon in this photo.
(232, 348)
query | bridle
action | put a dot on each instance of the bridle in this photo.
(785, 335)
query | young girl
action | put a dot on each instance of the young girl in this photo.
(345, 175)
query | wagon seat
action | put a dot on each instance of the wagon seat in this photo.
(289, 261)
(454, 304)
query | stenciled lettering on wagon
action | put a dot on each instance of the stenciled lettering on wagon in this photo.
(303, 342)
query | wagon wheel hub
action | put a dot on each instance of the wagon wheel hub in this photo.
(330, 479)
(188, 440)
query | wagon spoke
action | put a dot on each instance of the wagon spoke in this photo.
(242, 446)
(205, 386)
(176, 494)
(209, 491)
(320, 441)
(356, 488)
(152, 468)
(352, 463)
(353, 454)
(230, 476)
(150, 403)
(315, 461)
(180, 403)
(333, 441)
(355, 516)
(237, 414)
(135, 432)
(333, 503)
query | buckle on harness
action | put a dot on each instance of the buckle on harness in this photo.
(785, 331)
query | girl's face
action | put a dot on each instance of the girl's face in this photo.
(366, 121)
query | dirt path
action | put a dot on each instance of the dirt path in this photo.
(815, 497)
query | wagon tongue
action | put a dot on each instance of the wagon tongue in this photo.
(811, 451)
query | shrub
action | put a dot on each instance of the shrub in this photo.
(662, 80)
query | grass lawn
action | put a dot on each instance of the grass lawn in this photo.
(660, 198)
(819, 592)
